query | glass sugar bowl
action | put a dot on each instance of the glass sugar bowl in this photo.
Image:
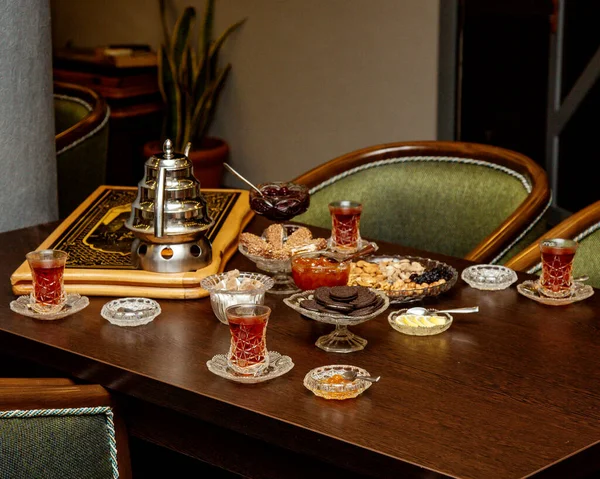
(235, 287)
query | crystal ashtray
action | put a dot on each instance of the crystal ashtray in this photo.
(73, 304)
(530, 289)
(489, 277)
(395, 319)
(221, 297)
(408, 294)
(130, 311)
(327, 382)
(278, 366)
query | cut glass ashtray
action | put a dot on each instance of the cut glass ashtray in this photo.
(130, 311)
(73, 304)
(328, 382)
(489, 277)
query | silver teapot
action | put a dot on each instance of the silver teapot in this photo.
(169, 216)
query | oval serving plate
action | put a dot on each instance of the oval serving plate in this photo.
(408, 294)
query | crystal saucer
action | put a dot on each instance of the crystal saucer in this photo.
(130, 311)
(278, 366)
(530, 289)
(73, 304)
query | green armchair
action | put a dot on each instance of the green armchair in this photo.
(582, 226)
(472, 201)
(81, 124)
(52, 428)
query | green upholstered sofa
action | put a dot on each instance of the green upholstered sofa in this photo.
(467, 200)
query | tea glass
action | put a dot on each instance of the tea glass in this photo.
(345, 226)
(248, 353)
(47, 270)
(556, 280)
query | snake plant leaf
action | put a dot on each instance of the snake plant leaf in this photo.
(205, 110)
(206, 36)
(162, 6)
(216, 46)
(181, 34)
(169, 89)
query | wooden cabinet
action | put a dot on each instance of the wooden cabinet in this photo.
(134, 99)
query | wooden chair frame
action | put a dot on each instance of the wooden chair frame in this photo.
(59, 393)
(573, 227)
(507, 233)
(99, 114)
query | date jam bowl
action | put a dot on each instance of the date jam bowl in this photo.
(281, 201)
(312, 270)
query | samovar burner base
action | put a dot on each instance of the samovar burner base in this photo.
(171, 257)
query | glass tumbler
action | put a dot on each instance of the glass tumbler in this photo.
(47, 269)
(345, 226)
(248, 353)
(556, 280)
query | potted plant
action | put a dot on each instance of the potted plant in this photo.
(191, 84)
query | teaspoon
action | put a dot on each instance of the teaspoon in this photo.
(425, 312)
(248, 183)
(352, 375)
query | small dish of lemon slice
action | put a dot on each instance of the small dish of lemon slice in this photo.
(419, 325)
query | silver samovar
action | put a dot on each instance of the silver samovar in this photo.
(169, 216)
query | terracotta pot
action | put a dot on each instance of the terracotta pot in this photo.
(208, 161)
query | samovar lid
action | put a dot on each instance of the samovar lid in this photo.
(170, 158)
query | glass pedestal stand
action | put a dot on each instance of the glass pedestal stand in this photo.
(279, 269)
(341, 340)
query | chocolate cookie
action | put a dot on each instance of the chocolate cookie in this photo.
(321, 295)
(339, 307)
(344, 293)
(309, 304)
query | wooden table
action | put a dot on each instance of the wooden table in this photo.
(509, 392)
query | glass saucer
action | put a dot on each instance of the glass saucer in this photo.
(489, 277)
(73, 304)
(130, 311)
(278, 366)
(530, 289)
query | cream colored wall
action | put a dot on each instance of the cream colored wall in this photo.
(311, 79)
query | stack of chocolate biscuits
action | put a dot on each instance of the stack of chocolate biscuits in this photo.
(344, 300)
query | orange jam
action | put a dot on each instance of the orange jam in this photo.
(312, 271)
(336, 379)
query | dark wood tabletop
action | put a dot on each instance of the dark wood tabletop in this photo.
(512, 391)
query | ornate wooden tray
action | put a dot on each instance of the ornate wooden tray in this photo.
(99, 246)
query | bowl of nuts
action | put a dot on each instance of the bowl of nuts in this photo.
(403, 278)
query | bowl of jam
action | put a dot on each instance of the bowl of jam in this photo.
(312, 270)
(280, 201)
(327, 382)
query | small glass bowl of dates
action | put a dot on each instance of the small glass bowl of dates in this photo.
(313, 269)
(280, 201)
(235, 287)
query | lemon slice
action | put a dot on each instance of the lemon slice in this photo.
(437, 320)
